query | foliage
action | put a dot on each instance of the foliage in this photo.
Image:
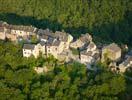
(34, 39)
(74, 51)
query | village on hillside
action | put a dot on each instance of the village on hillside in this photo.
(65, 48)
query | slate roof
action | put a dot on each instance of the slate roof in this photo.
(62, 36)
(44, 37)
(85, 37)
(29, 46)
(113, 47)
(89, 53)
(50, 41)
(56, 43)
(22, 28)
(42, 43)
(45, 32)
(53, 42)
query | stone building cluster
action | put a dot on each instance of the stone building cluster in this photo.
(113, 54)
(89, 53)
(59, 45)
(16, 32)
(49, 44)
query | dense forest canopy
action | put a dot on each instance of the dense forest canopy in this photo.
(109, 20)
(106, 19)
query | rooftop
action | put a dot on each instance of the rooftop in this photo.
(128, 60)
(91, 45)
(45, 32)
(42, 43)
(113, 47)
(22, 28)
(44, 37)
(89, 53)
(29, 46)
(63, 36)
(85, 37)
(56, 43)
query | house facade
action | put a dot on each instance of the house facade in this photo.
(22, 30)
(29, 50)
(86, 57)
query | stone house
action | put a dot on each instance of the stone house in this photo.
(112, 52)
(46, 32)
(46, 35)
(54, 48)
(91, 47)
(2, 30)
(82, 42)
(20, 30)
(64, 37)
(11, 37)
(90, 55)
(44, 38)
(86, 37)
(13, 32)
(125, 65)
(2, 33)
(29, 50)
(77, 44)
(56, 42)
(86, 57)
(43, 35)
(63, 57)
(51, 46)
